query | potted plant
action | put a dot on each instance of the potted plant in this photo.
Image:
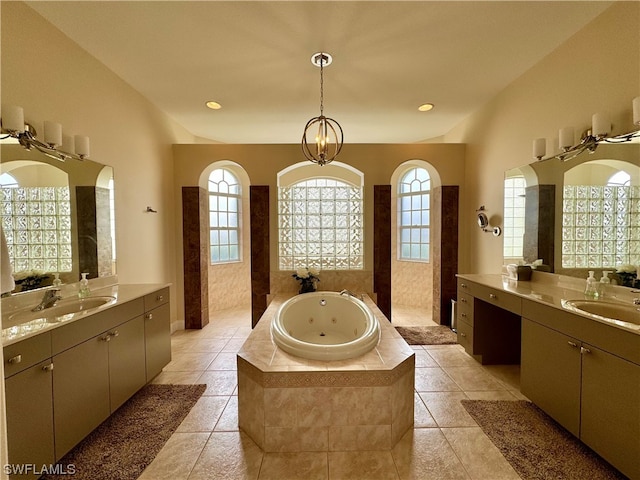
(307, 278)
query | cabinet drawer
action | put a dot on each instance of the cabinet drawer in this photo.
(79, 331)
(465, 308)
(465, 286)
(156, 299)
(26, 353)
(498, 298)
(465, 336)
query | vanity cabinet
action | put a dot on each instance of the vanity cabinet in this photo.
(61, 384)
(488, 323)
(592, 392)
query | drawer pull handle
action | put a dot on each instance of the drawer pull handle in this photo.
(462, 334)
(463, 300)
(584, 351)
(463, 285)
(106, 338)
(159, 298)
(115, 333)
(47, 368)
(493, 296)
(149, 316)
(573, 344)
(463, 315)
(14, 360)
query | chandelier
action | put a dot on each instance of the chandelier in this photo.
(325, 133)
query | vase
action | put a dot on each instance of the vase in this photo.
(307, 286)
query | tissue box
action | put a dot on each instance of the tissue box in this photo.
(519, 272)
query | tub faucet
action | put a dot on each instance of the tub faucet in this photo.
(636, 301)
(49, 299)
(350, 293)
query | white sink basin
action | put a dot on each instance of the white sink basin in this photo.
(69, 306)
(609, 310)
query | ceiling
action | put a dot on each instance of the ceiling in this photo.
(254, 59)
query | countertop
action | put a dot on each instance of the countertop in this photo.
(552, 289)
(122, 293)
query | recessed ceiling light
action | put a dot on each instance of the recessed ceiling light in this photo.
(214, 105)
(425, 107)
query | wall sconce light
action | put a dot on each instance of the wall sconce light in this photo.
(484, 224)
(590, 139)
(13, 126)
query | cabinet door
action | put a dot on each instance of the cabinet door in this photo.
(126, 361)
(157, 334)
(80, 392)
(550, 373)
(611, 409)
(30, 417)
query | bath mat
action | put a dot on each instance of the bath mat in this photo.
(437, 335)
(125, 444)
(535, 445)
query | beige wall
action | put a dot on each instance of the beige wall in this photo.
(262, 163)
(598, 69)
(54, 79)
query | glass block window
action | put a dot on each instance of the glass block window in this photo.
(414, 197)
(37, 224)
(224, 216)
(600, 226)
(514, 207)
(320, 225)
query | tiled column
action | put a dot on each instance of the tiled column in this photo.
(445, 250)
(539, 223)
(196, 256)
(94, 231)
(382, 247)
(260, 267)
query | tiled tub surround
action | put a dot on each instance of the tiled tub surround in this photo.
(290, 404)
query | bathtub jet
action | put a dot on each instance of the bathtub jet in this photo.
(325, 326)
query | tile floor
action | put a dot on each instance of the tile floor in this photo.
(445, 443)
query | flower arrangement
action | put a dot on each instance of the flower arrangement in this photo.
(307, 278)
(628, 275)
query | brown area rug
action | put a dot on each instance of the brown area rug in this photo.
(535, 445)
(438, 335)
(123, 445)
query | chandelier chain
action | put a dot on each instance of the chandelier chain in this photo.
(321, 84)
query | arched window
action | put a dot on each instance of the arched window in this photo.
(320, 220)
(224, 216)
(414, 197)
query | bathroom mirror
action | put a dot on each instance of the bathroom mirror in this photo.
(578, 215)
(57, 217)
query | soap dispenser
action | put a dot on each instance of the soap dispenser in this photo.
(84, 290)
(605, 281)
(591, 289)
(56, 280)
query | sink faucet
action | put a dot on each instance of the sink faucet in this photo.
(49, 299)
